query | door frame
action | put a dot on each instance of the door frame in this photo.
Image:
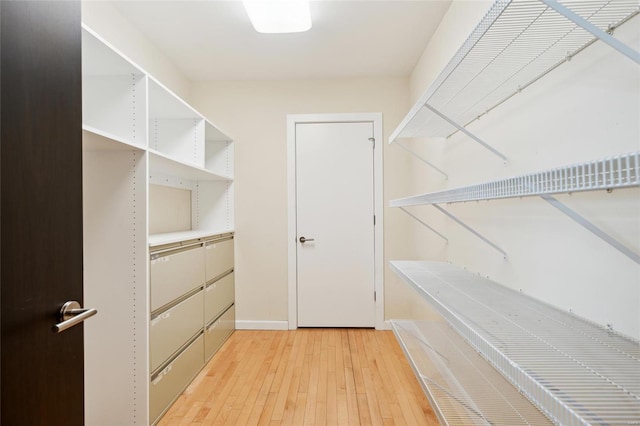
(378, 261)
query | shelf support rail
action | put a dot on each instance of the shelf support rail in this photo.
(592, 228)
(415, 154)
(588, 26)
(423, 223)
(473, 231)
(465, 131)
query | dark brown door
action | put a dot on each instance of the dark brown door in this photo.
(40, 211)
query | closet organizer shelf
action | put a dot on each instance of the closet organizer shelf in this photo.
(622, 171)
(461, 386)
(163, 165)
(152, 165)
(573, 370)
(516, 43)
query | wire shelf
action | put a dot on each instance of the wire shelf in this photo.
(517, 43)
(622, 171)
(575, 371)
(462, 387)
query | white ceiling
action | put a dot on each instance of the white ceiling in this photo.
(214, 40)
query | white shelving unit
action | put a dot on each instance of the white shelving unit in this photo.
(516, 44)
(156, 173)
(572, 370)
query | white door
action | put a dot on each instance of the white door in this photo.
(335, 210)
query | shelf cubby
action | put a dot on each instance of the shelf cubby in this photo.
(175, 129)
(218, 151)
(114, 92)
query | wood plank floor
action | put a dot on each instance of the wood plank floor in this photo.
(305, 377)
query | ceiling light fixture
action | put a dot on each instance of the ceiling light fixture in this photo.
(279, 16)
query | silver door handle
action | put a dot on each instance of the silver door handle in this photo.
(72, 314)
(305, 240)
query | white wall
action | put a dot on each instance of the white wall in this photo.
(587, 109)
(104, 18)
(254, 112)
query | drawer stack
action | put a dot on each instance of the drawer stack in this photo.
(192, 312)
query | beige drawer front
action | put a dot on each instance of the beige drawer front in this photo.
(219, 257)
(217, 297)
(175, 274)
(173, 328)
(216, 334)
(174, 378)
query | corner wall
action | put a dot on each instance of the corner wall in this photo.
(585, 110)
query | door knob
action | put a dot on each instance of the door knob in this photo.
(72, 314)
(305, 240)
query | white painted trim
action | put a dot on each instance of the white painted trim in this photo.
(386, 325)
(292, 120)
(261, 325)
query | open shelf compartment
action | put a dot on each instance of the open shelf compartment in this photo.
(573, 370)
(175, 129)
(113, 92)
(218, 151)
(517, 43)
(461, 386)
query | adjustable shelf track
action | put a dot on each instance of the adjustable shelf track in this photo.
(576, 372)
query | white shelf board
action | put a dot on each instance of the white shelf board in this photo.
(622, 171)
(101, 59)
(176, 237)
(97, 140)
(575, 371)
(162, 165)
(461, 386)
(165, 105)
(516, 43)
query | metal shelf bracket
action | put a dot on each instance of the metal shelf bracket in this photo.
(412, 152)
(592, 228)
(423, 223)
(465, 131)
(588, 26)
(473, 231)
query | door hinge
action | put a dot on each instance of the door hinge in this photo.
(374, 296)
(374, 220)
(373, 140)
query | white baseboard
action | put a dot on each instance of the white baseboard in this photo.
(261, 325)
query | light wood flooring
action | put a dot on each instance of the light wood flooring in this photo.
(305, 377)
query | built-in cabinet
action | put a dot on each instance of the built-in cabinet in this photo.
(192, 312)
(158, 213)
(570, 370)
